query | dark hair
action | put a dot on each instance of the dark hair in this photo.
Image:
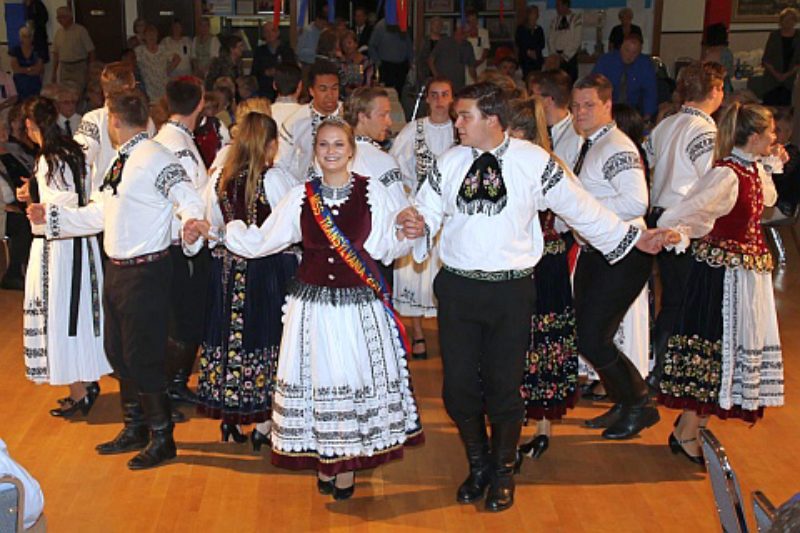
(361, 102)
(527, 116)
(598, 82)
(696, 80)
(130, 107)
(287, 78)
(328, 42)
(489, 98)
(782, 113)
(438, 79)
(57, 149)
(184, 95)
(557, 85)
(633, 37)
(321, 68)
(716, 35)
(229, 42)
(629, 121)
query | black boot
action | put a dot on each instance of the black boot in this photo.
(660, 344)
(180, 361)
(505, 436)
(476, 443)
(638, 411)
(161, 447)
(612, 415)
(134, 435)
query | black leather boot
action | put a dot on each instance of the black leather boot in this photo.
(505, 436)
(180, 361)
(638, 411)
(612, 415)
(476, 443)
(157, 411)
(134, 435)
(660, 350)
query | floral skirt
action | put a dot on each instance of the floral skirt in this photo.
(343, 397)
(239, 352)
(550, 384)
(724, 357)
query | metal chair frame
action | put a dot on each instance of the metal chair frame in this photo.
(20, 500)
(764, 511)
(727, 495)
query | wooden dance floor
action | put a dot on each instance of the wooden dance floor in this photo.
(582, 483)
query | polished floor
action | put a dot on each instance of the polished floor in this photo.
(582, 483)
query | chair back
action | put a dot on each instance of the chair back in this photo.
(727, 495)
(12, 500)
(763, 510)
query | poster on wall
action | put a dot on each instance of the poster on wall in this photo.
(760, 10)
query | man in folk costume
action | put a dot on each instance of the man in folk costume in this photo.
(681, 151)
(92, 133)
(485, 196)
(417, 145)
(610, 168)
(564, 39)
(554, 87)
(189, 274)
(134, 207)
(297, 134)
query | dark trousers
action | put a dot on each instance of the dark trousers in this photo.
(571, 67)
(674, 271)
(603, 294)
(19, 234)
(394, 75)
(136, 306)
(484, 330)
(188, 295)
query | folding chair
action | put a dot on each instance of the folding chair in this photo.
(763, 510)
(727, 495)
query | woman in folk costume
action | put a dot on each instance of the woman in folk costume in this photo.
(550, 384)
(239, 353)
(343, 398)
(417, 145)
(724, 357)
(62, 316)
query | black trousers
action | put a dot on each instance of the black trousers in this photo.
(136, 307)
(188, 295)
(571, 67)
(674, 271)
(18, 230)
(484, 330)
(603, 294)
(394, 75)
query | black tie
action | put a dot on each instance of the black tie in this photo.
(581, 156)
(67, 128)
(114, 174)
(564, 24)
(550, 135)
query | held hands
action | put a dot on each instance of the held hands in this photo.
(23, 192)
(194, 229)
(779, 151)
(36, 213)
(653, 241)
(409, 224)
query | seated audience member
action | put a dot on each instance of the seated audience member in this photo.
(623, 29)
(247, 87)
(288, 85)
(34, 498)
(633, 76)
(67, 103)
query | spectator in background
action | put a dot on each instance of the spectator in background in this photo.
(18, 135)
(155, 63)
(137, 39)
(787, 182)
(478, 38)
(37, 17)
(129, 58)
(391, 50)
(205, 47)
(432, 37)
(8, 91)
(362, 28)
(632, 75)
(73, 50)
(27, 65)
(211, 135)
(717, 51)
(269, 55)
(564, 40)
(246, 87)
(450, 58)
(307, 41)
(67, 103)
(356, 68)
(228, 63)
(288, 85)
(530, 43)
(781, 60)
(176, 43)
(623, 29)
(227, 101)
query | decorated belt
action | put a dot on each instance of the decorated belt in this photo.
(140, 260)
(497, 275)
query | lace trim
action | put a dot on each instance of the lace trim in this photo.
(335, 296)
(169, 176)
(723, 254)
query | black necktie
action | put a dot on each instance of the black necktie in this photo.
(550, 135)
(67, 128)
(564, 24)
(622, 93)
(114, 174)
(581, 156)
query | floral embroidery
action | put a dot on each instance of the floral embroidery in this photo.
(692, 368)
(732, 254)
(170, 176)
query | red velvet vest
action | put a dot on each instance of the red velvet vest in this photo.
(321, 264)
(234, 207)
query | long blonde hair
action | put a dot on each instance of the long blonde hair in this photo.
(250, 151)
(251, 105)
(527, 115)
(737, 123)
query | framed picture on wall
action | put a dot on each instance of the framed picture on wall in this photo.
(759, 10)
(500, 30)
(438, 6)
(447, 25)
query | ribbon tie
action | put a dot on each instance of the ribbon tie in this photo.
(114, 174)
(483, 189)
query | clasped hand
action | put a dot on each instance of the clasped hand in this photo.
(653, 241)
(194, 229)
(410, 224)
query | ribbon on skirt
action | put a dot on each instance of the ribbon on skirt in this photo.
(352, 258)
